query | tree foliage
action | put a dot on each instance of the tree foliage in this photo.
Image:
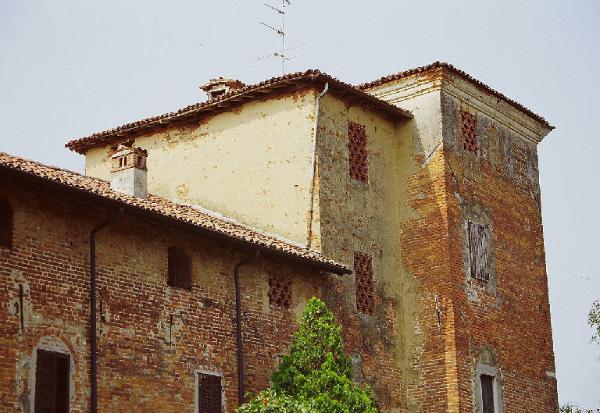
(317, 374)
(571, 408)
(594, 320)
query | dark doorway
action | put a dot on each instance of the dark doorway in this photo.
(487, 393)
(52, 382)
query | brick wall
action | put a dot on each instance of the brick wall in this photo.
(152, 338)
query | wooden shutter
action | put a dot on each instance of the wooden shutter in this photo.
(209, 393)
(487, 393)
(479, 246)
(6, 223)
(52, 382)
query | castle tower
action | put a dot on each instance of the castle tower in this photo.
(480, 339)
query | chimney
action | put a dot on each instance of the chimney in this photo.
(128, 172)
(221, 86)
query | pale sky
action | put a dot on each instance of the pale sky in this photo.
(71, 68)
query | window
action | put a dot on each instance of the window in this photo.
(363, 272)
(487, 393)
(52, 382)
(469, 132)
(6, 223)
(357, 148)
(209, 393)
(280, 292)
(179, 268)
(479, 251)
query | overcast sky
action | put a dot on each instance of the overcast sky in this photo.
(70, 68)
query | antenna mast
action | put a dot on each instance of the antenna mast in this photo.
(280, 31)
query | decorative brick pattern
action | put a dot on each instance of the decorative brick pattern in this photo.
(469, 132)
(280, 292)
(363, 271)
(357, 148)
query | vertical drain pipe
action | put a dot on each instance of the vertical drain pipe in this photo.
(238, 325)
(93, 333)
(311, 209)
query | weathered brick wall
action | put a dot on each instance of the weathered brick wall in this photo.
(510, 315)
(474, 167)
(358, 221)
(152, 338)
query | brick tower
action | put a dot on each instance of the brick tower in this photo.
(478, 337)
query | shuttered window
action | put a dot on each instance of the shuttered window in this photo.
(6, 223)
(487, 393)
(180, 268)
(479, 251)
(52, 382)
(209, 393)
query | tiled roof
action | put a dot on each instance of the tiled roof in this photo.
(231, 99)
(172, 211)
(464, 75)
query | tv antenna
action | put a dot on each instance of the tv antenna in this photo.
(280, 31)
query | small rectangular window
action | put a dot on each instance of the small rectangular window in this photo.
(357, 148)
(52, 382)
(487, 393)
(479, 251)
(6, 223)
(363, 272)
(209, 393)
(180, 268)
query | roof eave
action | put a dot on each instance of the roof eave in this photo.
(337, 268)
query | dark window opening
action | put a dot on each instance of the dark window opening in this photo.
(487, 393)
(6, 223)
(209, 393)
(479, 251)
(52, 382)
(179, 268)
(363, 273)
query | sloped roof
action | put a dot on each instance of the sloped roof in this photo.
(162, 207)
(461, 73)
(232, 99)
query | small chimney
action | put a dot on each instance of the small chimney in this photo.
(128, 172)
(221, 86)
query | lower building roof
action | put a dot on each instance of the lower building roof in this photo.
(159, 207)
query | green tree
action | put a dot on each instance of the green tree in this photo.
(317, 374)
(571, 408)
(594, 320)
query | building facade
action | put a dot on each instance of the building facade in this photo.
(424, 185)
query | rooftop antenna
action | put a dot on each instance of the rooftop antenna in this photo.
(280, 31)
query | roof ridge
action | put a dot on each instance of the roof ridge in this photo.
(445, 65)
(100, 138)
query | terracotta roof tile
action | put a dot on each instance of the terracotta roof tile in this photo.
(461, 73)
(172, 211)
(231, 99)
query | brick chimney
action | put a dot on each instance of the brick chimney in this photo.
(221, 86)
(128, 172)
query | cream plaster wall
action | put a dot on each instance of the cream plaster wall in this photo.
(252, 164)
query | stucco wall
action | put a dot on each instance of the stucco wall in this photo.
(252, 164)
